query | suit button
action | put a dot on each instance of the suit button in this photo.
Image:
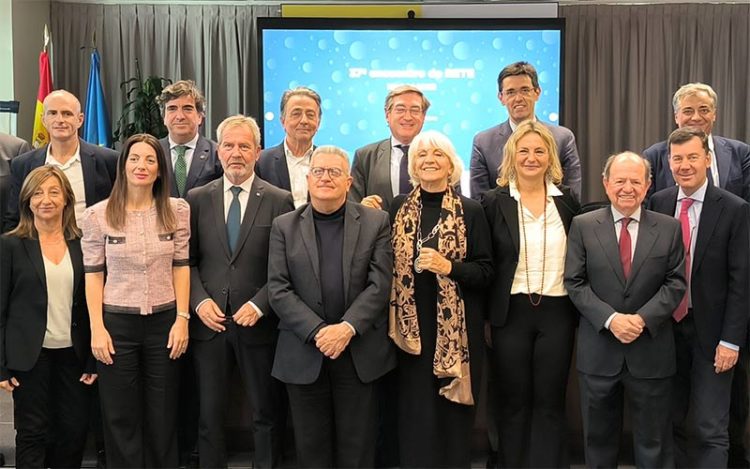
(74, 324)
(224, 291)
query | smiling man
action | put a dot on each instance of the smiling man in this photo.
(89, 168)
(711, 323)
(695, 105)
(193, 157)
(519, 90)
(286, 164)
(379, 170)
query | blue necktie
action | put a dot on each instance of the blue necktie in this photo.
(404, 184)
(233, 218)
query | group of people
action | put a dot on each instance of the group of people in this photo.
(365, 298)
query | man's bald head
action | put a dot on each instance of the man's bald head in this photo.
(62, 116)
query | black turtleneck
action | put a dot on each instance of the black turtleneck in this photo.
(329, 234)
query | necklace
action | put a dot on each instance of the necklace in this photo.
(421, 240)
(526, 251)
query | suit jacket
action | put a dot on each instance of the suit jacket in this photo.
(720, 266)
(99, 166)
(23, 305)
(272, 167)
(204, 167)
(597, 286)
(502, 214)
(487, 154)
(732, 156)
(239, 277)
(371, 173)
(294, 291)
(10, 147)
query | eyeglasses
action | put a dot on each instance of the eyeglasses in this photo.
(333, 173)
(525, 92)
(689, 112)
(401, 110)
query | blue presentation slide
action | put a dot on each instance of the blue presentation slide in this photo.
(353, 70)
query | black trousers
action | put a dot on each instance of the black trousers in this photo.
(51, 411)
(532, 354)
(700, 403)
(739, 410)
(335, 418)
(214, 360)
(602, 408)
(139, 392)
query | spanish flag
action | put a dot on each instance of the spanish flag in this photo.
(41, 137)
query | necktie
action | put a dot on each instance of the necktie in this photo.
(682, 309)
(625, 247)
(180, 169)
(404, 185)
(233, 218)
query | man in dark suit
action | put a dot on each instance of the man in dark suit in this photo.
(230, 225)
(711, 321)
(518, 90)
(10, 147)
(89, 168)
(194, 159)
(624, 271)
(694, 105)
(329, 280)
(286, 164)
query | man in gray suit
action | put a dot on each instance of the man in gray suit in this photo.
(624, 271)
(230, 225)
(194, 159)
(329, 281)
(380, 169)
(10, 146)
(286, 164)
(518, 90)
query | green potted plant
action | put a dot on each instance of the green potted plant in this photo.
(141, 113)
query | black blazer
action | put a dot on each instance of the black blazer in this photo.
(204, 167)
(23, 305)
(239, 277)
(502, 214)
(720, 271)
(99, 166)
(272, 167)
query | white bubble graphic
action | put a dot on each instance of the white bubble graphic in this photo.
(553, 117)
(475, 98)
(461, 50)
(372, 97)
(326, 104)
(289, 43)
(445, 37)
(465, 125)
(337, 76)
(357, 50)
(344, 129)
(479, 64)
(362, 125)
(544, 77)
(530, 45)
(375, 64)
(426, 45)
(293, 84)
(322, 44)
(307, 67)
(447, 129)
(550, 37)
(268, 97)
(393, 43)
(271, 64)
(341, 37)
(269, 116)
(497, 43)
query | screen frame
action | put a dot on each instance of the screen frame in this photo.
(466, 24)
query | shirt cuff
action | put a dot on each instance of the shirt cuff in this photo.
(255, 307)
(730, 345)
(609, 320)
(198, 306)
(354, 331)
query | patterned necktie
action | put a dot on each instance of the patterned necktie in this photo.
(404, 184)
(625, 247)
(180, 169)
(233, 218)
(682, 309)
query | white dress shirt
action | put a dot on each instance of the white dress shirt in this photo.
(298, 166)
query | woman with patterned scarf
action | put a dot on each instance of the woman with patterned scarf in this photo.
(442, 263)
(532, 320)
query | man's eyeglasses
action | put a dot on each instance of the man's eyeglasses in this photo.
(401, 110)
(525, 92)
(333, 173)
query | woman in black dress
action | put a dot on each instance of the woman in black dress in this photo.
(442, 262)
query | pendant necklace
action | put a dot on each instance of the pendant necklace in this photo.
(526, 251)
(421, 240)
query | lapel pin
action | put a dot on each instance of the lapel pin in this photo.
(203, 156)
(257, 194)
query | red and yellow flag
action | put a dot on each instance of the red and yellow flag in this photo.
(41, 137)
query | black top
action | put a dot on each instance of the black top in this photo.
(329, 234)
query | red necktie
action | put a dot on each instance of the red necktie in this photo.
(625, 247)
(682, 309)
